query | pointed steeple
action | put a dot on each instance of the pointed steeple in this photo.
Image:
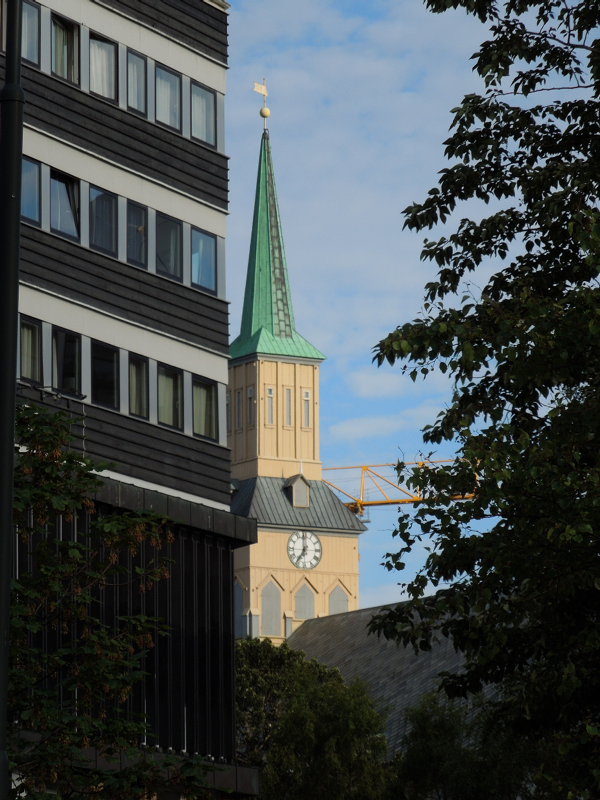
(268, 318)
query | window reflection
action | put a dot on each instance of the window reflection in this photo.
(204, 260)
(64, 205)
(30, 190)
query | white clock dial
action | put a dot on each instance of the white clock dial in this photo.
(304, 549)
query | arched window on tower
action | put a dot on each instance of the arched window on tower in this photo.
(270, 613)
(305, 603)
(338, 601)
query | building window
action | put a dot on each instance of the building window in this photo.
(250, 406)
(170, 401)
(30, 190)
(31, 33)
(64, 205)
(168, 98)
(338, 601)
(137, 234)
(138, 386)
(270, 401)
(288, 407)
(305, 603)
(203, 114)
(306, 408)
(66, 362)
(65, 49)
(204, 260)
(204, 396)
(168, 246)
(238, 409)
(270, 620)
(103, 221)
(103, 68)
(105, 375)
(31, 351)
(228, 412)
(136, 83)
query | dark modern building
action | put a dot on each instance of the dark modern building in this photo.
(123, 311)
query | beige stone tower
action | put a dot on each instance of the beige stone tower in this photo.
(305, 563)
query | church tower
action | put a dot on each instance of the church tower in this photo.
(305, 563)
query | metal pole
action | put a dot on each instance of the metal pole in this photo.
(11, 151)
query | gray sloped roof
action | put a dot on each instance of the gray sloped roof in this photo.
(395, 676)
(265, 500)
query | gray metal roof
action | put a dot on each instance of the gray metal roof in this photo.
(396, 677)
(265, 500)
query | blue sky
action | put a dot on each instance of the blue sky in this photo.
(360, 96)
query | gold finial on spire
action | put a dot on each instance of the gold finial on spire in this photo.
(261, 88)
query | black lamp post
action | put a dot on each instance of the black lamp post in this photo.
(11, 151)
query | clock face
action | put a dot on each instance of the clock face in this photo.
(304, 549)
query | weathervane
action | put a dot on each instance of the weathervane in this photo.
(261, 88)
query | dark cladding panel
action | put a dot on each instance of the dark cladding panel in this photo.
(102, 128)
(128, 292)
(198, 25)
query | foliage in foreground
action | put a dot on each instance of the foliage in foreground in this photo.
(313, 736)
(523, 601)
(66, 699)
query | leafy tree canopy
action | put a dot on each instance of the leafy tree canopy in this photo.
(313, 736)
(522, 599)
(70, 672)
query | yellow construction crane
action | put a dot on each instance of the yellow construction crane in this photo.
(370, 481)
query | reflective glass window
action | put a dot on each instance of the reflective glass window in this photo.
(65, 49)
(31, 33)
(168, 98)
(204, 260)
(136, 82)
(203, 114)
(204, 397)
(137, 234)
(138, 386)
(168, 246)
(103, 68)
(31, 351)
(103, 221)
(66, 362)
(30, 190)
(170, 400)
(105, 375)
(64, 205)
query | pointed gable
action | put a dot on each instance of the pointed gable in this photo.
(268, 318)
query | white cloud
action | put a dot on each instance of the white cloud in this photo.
(369, 427)
(373, 382)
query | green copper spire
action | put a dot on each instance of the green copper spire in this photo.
(268, 318)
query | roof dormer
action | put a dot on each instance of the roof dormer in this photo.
(297, 489)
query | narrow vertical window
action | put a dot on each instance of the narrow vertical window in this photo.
(270, 399)
(105, 375)
(30, 190)
(250, 406)
(31, 351)
(170, 404)
(306, 408)
(31, 33)
(137, 234)
(136, 83)
(65, 49)
(204, 260)
(103, 221)
(288, 407)
(66, 361)
(168, 246)
(203, 114)
(138, 386)
(204, 397)
(103, 68)
(168, 98)
(238, 409)
(228, 411)
(64, 205)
